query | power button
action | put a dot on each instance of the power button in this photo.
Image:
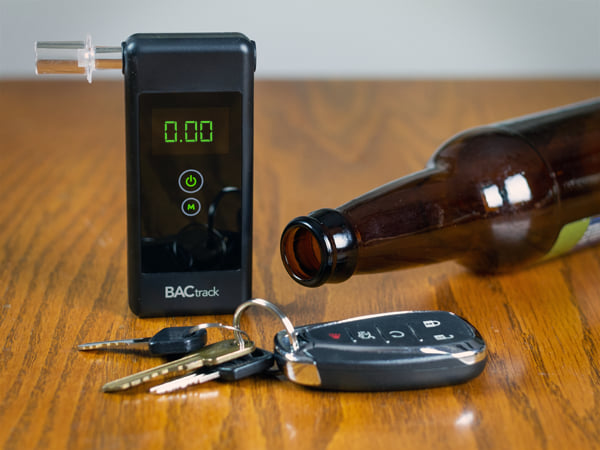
(191, 181)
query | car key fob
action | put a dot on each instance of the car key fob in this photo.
(384, 352)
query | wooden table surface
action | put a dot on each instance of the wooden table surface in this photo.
(317, 144)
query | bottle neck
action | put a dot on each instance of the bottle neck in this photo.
(389, 227)
(319, 248)
(408, 222)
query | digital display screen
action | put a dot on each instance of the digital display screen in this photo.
(190, 162)
(182, 131)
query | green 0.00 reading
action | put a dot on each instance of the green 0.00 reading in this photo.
(193, 131)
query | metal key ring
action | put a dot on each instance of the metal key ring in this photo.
(238, 332)
(287, 323)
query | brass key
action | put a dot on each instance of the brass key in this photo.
(211, 355)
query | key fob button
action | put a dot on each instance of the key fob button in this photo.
(364, 335)
(442, 330)
(326, 335)
(396, 334)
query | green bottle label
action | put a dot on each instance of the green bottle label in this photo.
(575, 235)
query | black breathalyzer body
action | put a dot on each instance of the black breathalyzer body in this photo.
(189, 125)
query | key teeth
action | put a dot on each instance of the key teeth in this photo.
(183, 382)
(110, 387)
(102, 346)
(173, 385)
(160, 390)
(85, 347)
(137, 344)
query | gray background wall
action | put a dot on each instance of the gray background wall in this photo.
(331, 38)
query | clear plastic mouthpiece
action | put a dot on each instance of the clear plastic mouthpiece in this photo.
(75, 57)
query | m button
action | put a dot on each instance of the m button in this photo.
(190, 207)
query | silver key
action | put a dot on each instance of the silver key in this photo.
(168, 341)
(210, 355)
(185, 381)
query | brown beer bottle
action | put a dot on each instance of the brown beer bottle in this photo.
(493, 198)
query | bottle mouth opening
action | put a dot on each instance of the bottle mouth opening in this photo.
(319, 248)
(302, 253)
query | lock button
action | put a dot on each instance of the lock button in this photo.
(440, 329)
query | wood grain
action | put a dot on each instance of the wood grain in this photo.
(317, 144)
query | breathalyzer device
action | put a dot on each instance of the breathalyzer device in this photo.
(189, 159)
